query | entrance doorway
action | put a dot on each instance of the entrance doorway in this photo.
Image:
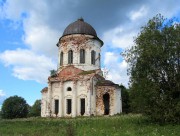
(106, 103)
(82, 106)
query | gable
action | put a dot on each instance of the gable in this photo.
(69, 71)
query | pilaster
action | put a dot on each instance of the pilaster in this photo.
(61, 100)
(49, 109)
(74, 106)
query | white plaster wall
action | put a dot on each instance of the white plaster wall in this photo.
(82, 93)
(55, 94)
(74, 95)
(91, 44)
(68, 95)
(119, 108)
(93, 97)
(44, 104)
(83, 90)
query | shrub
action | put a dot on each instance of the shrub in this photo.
(35, 110)
(14, 107)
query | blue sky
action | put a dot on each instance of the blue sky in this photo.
(30, 30)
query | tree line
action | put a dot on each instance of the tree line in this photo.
(17, 107)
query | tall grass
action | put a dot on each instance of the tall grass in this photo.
(123, 125)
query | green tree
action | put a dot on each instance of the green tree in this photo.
(125, 99)
(35, 110)
(0, 114)
(14, 107)
(154, 67)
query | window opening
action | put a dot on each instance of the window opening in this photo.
(82, 56)
(61, 59)
(69, 105)
(70, 57)
(56, 106)
(93, 55)
(82, 106)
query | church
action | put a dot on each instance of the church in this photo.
(78, 87)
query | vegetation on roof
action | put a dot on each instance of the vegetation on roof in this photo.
(53, 73)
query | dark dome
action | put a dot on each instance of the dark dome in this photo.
(79, 27)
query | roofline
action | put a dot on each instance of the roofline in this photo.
(95, 37)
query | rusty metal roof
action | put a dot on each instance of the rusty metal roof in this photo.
(79, 27)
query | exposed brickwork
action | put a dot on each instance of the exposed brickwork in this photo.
(69, 71)
(75, 42)
(74, 74)
(101, 90)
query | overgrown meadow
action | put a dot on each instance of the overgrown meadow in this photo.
(121, 125)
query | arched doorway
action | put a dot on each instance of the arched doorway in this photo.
(106, 103)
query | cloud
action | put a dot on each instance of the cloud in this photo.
(134, 15)
(42, 39)
(120, 37)
(43, 22)
(2, 97)
(117, 70)
(27, 65)
(2, 93)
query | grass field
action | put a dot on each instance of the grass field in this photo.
(123, 125)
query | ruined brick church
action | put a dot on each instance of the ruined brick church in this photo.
(78, 88)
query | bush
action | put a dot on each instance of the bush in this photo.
(0, 115)
(14, 107)
(35, 110)
(125, 99)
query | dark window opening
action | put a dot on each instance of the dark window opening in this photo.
(99, 58)
(69, 89)
(93, 56)
(82, 56)
(61, 59)
(56, 107)
(70, 57)
(69, 105)
(82, 106)
(106, 103)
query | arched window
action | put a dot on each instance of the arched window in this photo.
(82, 56)
(99, 59)
(61, 59)
(93, 55)
(70, 57)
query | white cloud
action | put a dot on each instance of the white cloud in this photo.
(38, 34)
(135, 15)
(27, 65)
(2, 93)
(2, 97)
(120, 37)
(117, 69)
(43, 22)
(41, 39)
